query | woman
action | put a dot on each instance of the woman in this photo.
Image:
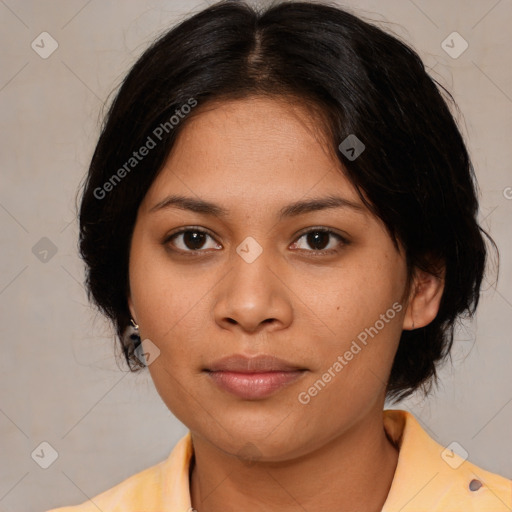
(281, 207)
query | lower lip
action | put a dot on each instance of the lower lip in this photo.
(253, 385)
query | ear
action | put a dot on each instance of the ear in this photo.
(424, 299)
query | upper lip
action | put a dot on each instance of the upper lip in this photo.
(252, 364)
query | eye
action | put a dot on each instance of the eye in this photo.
(190, 240)
(318, 238)
(194, 240)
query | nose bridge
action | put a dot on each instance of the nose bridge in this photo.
(251, 264)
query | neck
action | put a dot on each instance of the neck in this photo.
(352, 472)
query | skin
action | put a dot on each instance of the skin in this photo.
(253, 157)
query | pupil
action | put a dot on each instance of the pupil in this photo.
(313, 239)
(193, 239)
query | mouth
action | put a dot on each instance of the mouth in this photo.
(253, 378)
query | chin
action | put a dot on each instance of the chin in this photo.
(258, 441)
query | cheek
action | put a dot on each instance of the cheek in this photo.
(174, 310)
(171, 314)
(361, 307)
(357, 293)
(163, 298)
(354, 370)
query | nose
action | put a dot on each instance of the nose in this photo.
(254, 296)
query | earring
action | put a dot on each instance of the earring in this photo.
(137, 343)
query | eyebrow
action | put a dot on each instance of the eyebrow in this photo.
(291, 210)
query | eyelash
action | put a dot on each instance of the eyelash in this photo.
(196, 253)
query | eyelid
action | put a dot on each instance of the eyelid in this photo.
(325, 229)
(169, 236)
(343, 239)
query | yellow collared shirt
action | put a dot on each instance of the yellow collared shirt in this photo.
(428, 478)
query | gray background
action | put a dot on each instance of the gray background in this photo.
(60, 380)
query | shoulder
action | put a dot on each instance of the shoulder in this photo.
(164, 486)
(139, 490)
(484, 490)
(431, 477)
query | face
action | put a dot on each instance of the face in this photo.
(320, 287)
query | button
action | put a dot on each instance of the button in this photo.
(474, 485)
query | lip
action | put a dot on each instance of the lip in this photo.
(252, 364)
(255, 377)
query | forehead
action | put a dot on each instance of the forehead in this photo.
(260, 150)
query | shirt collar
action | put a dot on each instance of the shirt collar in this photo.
(428, 476)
